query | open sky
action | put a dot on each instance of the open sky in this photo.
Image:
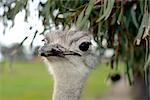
(21, 28)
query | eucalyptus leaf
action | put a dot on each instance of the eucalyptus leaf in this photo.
(133, 15)
(141, 29)
(141, 6)
(110, 7)
(80, 17)
(86, 16)
(105, 5)
(120, 16)
(89, 8)
(107, 11)
(147, 63)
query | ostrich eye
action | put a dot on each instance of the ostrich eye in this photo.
(84, 46)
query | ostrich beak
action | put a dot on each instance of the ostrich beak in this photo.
(60, 51)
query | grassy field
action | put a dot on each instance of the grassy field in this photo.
(30, 80)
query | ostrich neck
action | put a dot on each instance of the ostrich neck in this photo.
(69, 81)
(68, 91)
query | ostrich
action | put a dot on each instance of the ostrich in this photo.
(70, 56)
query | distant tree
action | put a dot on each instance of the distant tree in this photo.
(124, 23)
(15, 51)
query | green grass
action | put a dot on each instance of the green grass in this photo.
(30, 80)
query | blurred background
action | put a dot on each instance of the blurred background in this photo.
(121, 29)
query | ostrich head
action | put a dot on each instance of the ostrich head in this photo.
(74, 47)
(70, 56)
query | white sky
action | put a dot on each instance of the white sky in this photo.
(21, 28)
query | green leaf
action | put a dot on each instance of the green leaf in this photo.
(147, 63)
(133, 15)
(107, 11)
(105, 5)
(89, 8)
(128, 72)
(129, 64)
(141, 29)
(46, 11)
(142, 6)
(66, 14)
(110, 7)
(14, 11)
(84, 20)
(120, 16)
(86, 25)
(80, 17)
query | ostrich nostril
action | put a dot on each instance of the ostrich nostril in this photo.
(47, 51)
